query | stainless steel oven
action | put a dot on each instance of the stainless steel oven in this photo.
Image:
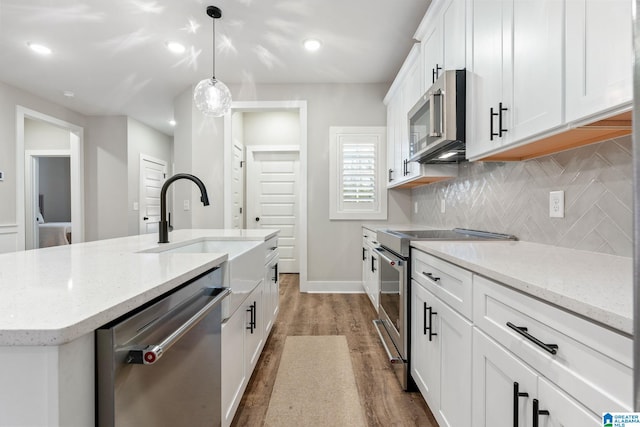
(395, 278)
(392, 324)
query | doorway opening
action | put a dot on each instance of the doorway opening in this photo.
(43, 141)
(268, 139)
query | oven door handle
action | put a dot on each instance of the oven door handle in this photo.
(379, 327)
(389, 258)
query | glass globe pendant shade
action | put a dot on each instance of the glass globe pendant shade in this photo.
(212, 97)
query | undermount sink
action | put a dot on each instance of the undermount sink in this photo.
(231, 247)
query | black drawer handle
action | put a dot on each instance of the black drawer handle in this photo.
(551, 348)
(537, 411)
(431, 276)
(517, 394)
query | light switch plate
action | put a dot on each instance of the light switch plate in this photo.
(136, 206)
(186, 205)
(556, 204)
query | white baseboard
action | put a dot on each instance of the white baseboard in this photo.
(338, 287)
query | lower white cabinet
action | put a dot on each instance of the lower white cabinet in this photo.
(245, 333)
(441, 357)
(242, 341)
(507, 392)
(370, 265)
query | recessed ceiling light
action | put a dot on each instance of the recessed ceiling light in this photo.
(68, 94)
(312, 45)
(175, 47)
(39, 48)
(172, 122)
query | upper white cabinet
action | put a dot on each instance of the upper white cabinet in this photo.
(442, 36)
(599, 57)
(515, 84)
(405, 91)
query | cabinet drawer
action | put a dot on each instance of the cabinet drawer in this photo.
(271, 251)
(448, 282)
(370, 237)
(591, 363)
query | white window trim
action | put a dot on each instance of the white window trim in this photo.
(379, 209)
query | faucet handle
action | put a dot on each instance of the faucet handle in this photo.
(169, 222)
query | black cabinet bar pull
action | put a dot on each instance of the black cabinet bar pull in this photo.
(373, 264)
(551, 348)
(537, 411)
(364, 254)
(517, 394)
(252, 321)
(424, 318)
(431, 314)
(491, 116)
(431, 276)
(390, 172)
(501, 110)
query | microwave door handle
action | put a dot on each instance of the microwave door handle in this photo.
(433, 115)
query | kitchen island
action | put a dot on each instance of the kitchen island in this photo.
(51, 301)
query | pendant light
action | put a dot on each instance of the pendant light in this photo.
(211, 96)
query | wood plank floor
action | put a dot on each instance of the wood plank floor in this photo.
(384, 403)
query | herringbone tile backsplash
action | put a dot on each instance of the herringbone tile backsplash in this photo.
(513, 197)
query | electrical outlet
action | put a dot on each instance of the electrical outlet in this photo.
(415, 207)
(136, 206)
(443, 206)
(186, 205)
(556, 204)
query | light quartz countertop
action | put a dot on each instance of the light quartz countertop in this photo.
(54, 295)
(593, 285)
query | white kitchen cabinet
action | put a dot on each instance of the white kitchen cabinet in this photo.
(271, 286)
(599, 56)
(370, 266)
(503, 383)
(515, 84)
(442, 37)
(441, 357)
(497, 377)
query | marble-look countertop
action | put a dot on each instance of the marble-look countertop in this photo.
(593, 285)
(54, 295)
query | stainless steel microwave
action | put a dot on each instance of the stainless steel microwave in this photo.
(437, 121)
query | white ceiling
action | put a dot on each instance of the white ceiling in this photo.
(112, 55)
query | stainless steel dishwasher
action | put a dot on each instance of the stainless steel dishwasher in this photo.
(160, 366)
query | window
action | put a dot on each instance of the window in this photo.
(357, 173)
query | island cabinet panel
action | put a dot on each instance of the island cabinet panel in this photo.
(48, 385)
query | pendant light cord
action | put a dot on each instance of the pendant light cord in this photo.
(214, 48)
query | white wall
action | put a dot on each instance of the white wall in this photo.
(271, 128)
(141, 139)
(198, 149)
(55, 187)
(106, 178)
(39, 135)
(334, 247)
(10, 97)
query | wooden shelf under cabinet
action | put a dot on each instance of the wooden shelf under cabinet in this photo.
(602, 130)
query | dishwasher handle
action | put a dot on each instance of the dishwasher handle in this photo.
(151, 353)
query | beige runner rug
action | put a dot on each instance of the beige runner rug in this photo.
(315, 385)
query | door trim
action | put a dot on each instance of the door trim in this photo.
(259, 106)
(143, 158)
(76, 143)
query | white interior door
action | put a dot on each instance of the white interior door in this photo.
(272, 198)
(238, 186)
(152, 175)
